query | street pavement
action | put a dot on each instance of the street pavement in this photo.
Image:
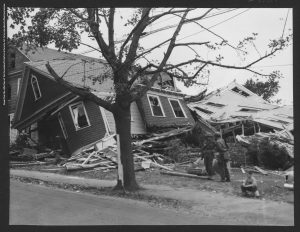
(209, 207)
(39, 205)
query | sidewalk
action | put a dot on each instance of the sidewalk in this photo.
(225, 209)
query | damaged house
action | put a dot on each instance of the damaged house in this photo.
(55, 117)
(234, 109)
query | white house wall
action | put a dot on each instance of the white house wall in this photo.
(137, 124)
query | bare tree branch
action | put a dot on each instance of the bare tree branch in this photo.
(108, 55)
(72, 10)
(85, 93)
(141, 91)
(111, 30)
(156, 17)
(136, 34)
(91, 47)
(192, 43)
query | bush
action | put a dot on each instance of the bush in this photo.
(273, 157)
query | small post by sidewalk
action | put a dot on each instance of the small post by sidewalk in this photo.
(120, 166)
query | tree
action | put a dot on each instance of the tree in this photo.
(64, 27)
(265, 89)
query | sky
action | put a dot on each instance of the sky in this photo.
(232, 25)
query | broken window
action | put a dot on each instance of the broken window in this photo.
(79, 115)
(241, 92)
(35, 87)
(204, 110)
(178, 111)
(215, 104)
(155, 106)
(62, 125)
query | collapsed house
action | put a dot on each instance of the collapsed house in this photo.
(55, 117)
(234, 109)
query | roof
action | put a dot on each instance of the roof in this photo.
(234, 102)
(78, 72)
(225, 103)
(44, 54)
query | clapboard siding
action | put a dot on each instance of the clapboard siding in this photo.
(19, 60)
(13, 82)
(137, 124)
(50, 90)
(169, 119)
(85, 136)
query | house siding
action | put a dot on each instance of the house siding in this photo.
(85, 136)
(13, 82)
(19, 60)
(137, 123)
(169, 119)
(50, 90)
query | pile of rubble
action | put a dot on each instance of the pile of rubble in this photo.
(29, 157)
(271, 150)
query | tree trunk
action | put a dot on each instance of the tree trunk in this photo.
(122, 118)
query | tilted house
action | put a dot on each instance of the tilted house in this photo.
(52, 115)
(234, 107)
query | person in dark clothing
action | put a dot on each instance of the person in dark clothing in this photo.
(222, 149)
(208, 156)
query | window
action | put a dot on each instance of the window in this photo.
(79, 116)
(35, 88)
(241, 92)
(177, 109)
(203, 110)
(155, 105)
(62, 125)
(215, 104)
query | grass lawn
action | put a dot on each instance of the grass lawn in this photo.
(270, 186)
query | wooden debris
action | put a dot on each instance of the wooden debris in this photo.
(260, 170)
(155, 164)
(26, 164)
(89, 157)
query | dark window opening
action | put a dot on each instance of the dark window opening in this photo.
(155, 105)
(241, 92)
(79, 116)
(177, 109)
(203, 110)
(215, 104)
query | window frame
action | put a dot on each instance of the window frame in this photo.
(159, 102)
(73, 119)
(38, 87)
(174, 99)
(62, 125)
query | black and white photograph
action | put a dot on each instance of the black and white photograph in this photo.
(149, 116)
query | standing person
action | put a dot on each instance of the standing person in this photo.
(250, 185)
(208, 155)
(222, 149)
